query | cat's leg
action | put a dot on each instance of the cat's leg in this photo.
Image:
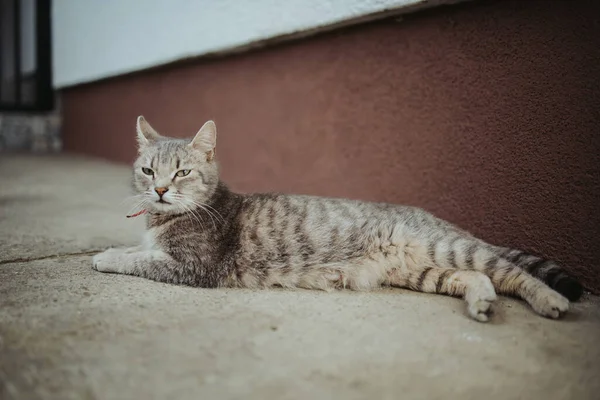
(474, 286)
(509, 279)
(467, 253)
(151, 264)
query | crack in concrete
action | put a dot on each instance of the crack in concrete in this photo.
(51, 257)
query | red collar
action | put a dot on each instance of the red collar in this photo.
(137, 213)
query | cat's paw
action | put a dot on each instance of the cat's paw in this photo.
(481, 309)
(107, 261)
(480, 298)
(551, 304)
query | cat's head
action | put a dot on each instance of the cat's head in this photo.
(175, 175)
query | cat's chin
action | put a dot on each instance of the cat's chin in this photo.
(164, 208)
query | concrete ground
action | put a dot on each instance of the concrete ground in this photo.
(68, 332)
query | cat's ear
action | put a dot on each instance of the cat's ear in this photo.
(145, 133)
(206, 140)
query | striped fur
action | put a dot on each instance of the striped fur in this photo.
(202, 234)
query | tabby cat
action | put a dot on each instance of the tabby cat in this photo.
(202, 234)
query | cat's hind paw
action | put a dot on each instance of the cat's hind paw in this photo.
(550, 304)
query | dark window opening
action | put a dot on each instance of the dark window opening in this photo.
(25, 63)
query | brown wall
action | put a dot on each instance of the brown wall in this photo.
(486, 114)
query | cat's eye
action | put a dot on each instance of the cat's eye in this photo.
(148, 171)
(183, 172)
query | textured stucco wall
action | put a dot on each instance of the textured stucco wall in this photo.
(485, 114)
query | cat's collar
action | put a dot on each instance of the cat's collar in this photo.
(144, 211)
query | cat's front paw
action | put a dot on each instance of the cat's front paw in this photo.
(107, 261)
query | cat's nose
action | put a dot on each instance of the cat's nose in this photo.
(161, 191)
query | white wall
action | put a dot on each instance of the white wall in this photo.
(95, 39)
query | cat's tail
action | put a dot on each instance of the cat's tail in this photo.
(545, 270)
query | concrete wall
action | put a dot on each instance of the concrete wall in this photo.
(96, 39)
(37, 133)
(485, 114)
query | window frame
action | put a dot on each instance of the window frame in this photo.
(44, 94)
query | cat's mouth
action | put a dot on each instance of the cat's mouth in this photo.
(161, 201)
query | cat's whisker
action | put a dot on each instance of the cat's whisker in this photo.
(177, 201)
(198, 217)
(211, 217)
(219, 214)
(180, 197)
(132, 198)
(139, 205)
(211, 214)
(136, 205)
(208, 208)
(208, 213)
(200, 207)
(190, 213)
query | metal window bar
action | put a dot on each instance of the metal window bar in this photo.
(25, 90)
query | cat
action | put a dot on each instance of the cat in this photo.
(200, 233)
